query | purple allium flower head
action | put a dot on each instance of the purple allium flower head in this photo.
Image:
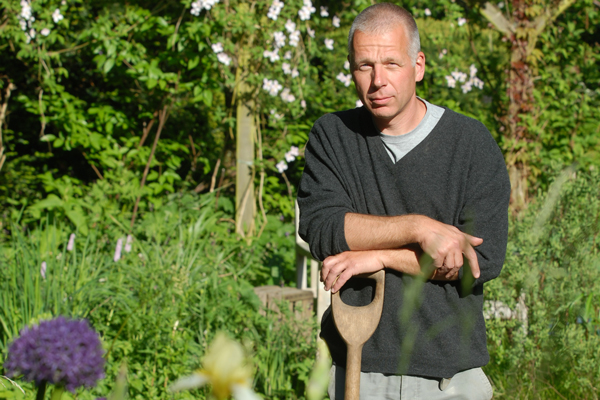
(61, 351)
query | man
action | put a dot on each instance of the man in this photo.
(415, 189)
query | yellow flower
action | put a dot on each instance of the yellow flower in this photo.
(225, 368)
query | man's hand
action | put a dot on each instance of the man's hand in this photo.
(446, 245)
(345, 265)
(338, 269)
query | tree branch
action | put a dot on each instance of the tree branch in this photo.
(495, 16)
(3, 108)
(162, 118)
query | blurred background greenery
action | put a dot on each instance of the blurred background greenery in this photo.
(142, 118)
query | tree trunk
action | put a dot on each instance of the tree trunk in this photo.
(527, 22)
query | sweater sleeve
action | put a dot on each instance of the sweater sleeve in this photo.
(322, 195)
(485, 211)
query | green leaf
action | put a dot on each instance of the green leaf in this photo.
(208, 98)
(48, 138)
(192, 63)
(108, 65)
(151, 83)
(78, 219)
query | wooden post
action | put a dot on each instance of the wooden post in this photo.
(245, 134)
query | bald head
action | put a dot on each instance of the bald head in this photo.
(382, 18)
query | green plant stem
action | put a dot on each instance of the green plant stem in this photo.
(57, 392)
(41, 391)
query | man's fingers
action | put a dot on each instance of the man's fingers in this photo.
(473, 240)
(341, 281)
(473, 263)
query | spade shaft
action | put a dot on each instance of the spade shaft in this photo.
(356, 325)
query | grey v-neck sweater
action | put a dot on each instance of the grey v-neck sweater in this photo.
(457, 176)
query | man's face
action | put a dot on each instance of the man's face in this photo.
(384, 74)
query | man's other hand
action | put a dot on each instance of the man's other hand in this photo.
(446, 245)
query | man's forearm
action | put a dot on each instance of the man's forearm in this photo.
(338, 269)
(372, 232)
(445, 244)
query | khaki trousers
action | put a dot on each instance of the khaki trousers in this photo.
(471, 384)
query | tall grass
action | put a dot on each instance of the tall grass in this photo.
(186, 278)
(553, 260)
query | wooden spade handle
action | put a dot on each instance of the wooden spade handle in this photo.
(353, 363)
(356, 325)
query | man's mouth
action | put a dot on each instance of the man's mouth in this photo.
(380, 100)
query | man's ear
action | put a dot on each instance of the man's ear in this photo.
(420, 67)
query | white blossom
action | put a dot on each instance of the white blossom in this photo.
(45, 32)
(287, 96)
(359, 103)
(466, 88)
(451, 81)
(329, 44)
(217, 47)
(303, 103)
(288, 55)
(324, 12)
(442, 53)
(501, 4)
(478, 83)
(345, 79)
(23, 24)
(224, 58)
(336, 21)
(461, 21)
(295, 73)
(294, 150)
(287, 69)
(276, 116)
(272, 55)
(43, 269)
(294, 38)
(289, 157)
(347, 64)
(25, 10)
(118, 249)
(198, 5)
(473, 70)
(272, 86)
(275, 9)
(459, 76)
(281, 166)
(279, 39)
(196, 8)
(311, 32)
(57, 16)
(32, 33)
(290, 26)
(71, 243)
(306, 11)
(427, 12)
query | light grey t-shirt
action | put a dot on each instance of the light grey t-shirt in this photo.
(399, 146)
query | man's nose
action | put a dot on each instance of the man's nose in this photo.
(379, 77)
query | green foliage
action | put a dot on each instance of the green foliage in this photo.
(553, 260)
(157, 307)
